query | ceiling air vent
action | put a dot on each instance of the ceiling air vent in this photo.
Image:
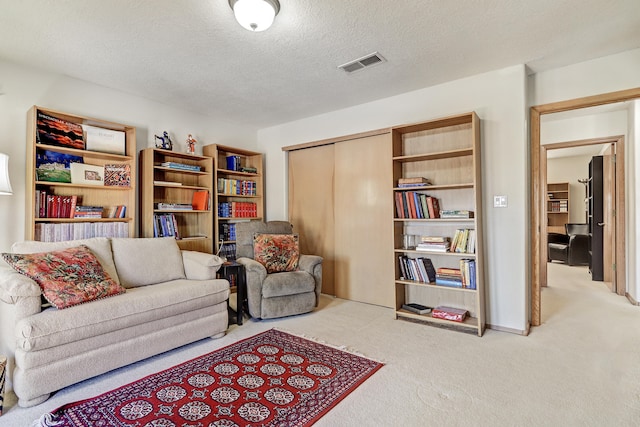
(361, 63)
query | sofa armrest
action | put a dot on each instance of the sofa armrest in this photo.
(200, 265)
(312, 264)
(19, 290)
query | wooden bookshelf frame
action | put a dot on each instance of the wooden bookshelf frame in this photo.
(107, 196)
(446, 151)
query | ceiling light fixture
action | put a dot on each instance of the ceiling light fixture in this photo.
(255, 15)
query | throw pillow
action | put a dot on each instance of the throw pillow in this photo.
(68, 277)
(277, 252)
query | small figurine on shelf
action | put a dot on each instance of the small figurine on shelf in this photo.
(191, 144)
(164, 141)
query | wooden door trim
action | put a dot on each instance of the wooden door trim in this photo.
(537, 262)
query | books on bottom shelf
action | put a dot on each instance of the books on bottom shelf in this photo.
(59, 232)
(449, 313)
(416, 308)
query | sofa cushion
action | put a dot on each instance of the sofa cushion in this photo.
(287, 283)
(277, 252)
(142, 262)
(67, 277)
(134, 307)
(100, 246)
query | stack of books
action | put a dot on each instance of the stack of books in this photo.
(413, 182)
(449, 277)
(88, 212)
(449, 313)
(181, 166)
(434, 244)
(452, 213)
(174, 206)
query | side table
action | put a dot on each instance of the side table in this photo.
(235, 274)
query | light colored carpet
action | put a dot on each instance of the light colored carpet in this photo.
(581, 368)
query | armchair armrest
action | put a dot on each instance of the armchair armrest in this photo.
(255, 274)
(200, 265)
(20, 291)
(557, 238)
(312, 264)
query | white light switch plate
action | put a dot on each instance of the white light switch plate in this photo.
(499, 201)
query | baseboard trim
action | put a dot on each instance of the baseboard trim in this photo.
(631, 299)
(523, 332)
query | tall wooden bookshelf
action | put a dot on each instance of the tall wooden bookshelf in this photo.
(558, 205)
(446, 151)
(238, 189)
(43, 225)
(176, 185)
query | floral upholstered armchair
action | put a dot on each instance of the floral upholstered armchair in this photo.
(280, 281)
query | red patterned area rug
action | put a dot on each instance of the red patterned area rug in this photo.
(271, 379)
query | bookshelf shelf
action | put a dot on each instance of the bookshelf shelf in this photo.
(161, 184)
(438, 253)
(44, 141)
(447, 153)
(433, 285)
(470, 323)
(251, 204)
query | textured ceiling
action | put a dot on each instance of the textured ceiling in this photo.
(193, 55)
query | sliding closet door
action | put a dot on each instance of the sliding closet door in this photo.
(363, 220)
(311, 205)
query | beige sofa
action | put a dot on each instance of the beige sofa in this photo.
(172, 298)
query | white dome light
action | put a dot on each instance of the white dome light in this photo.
(255, 15)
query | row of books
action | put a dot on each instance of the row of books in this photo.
(227, 231)
(464, 241)
(181, 166)
(59, 232)
(165, 225)
(237, 187)
(417, 269)
(56, 206)
(52, 130)
(558, 206)
(414, 205)
(463, 277)
(237, 210)
(228, 251)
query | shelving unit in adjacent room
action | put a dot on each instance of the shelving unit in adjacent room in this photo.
(442, 158)
(238, 189)
(176, 198)
(558, 205)
(57, 206)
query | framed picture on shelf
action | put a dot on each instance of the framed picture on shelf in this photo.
(82, 173)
